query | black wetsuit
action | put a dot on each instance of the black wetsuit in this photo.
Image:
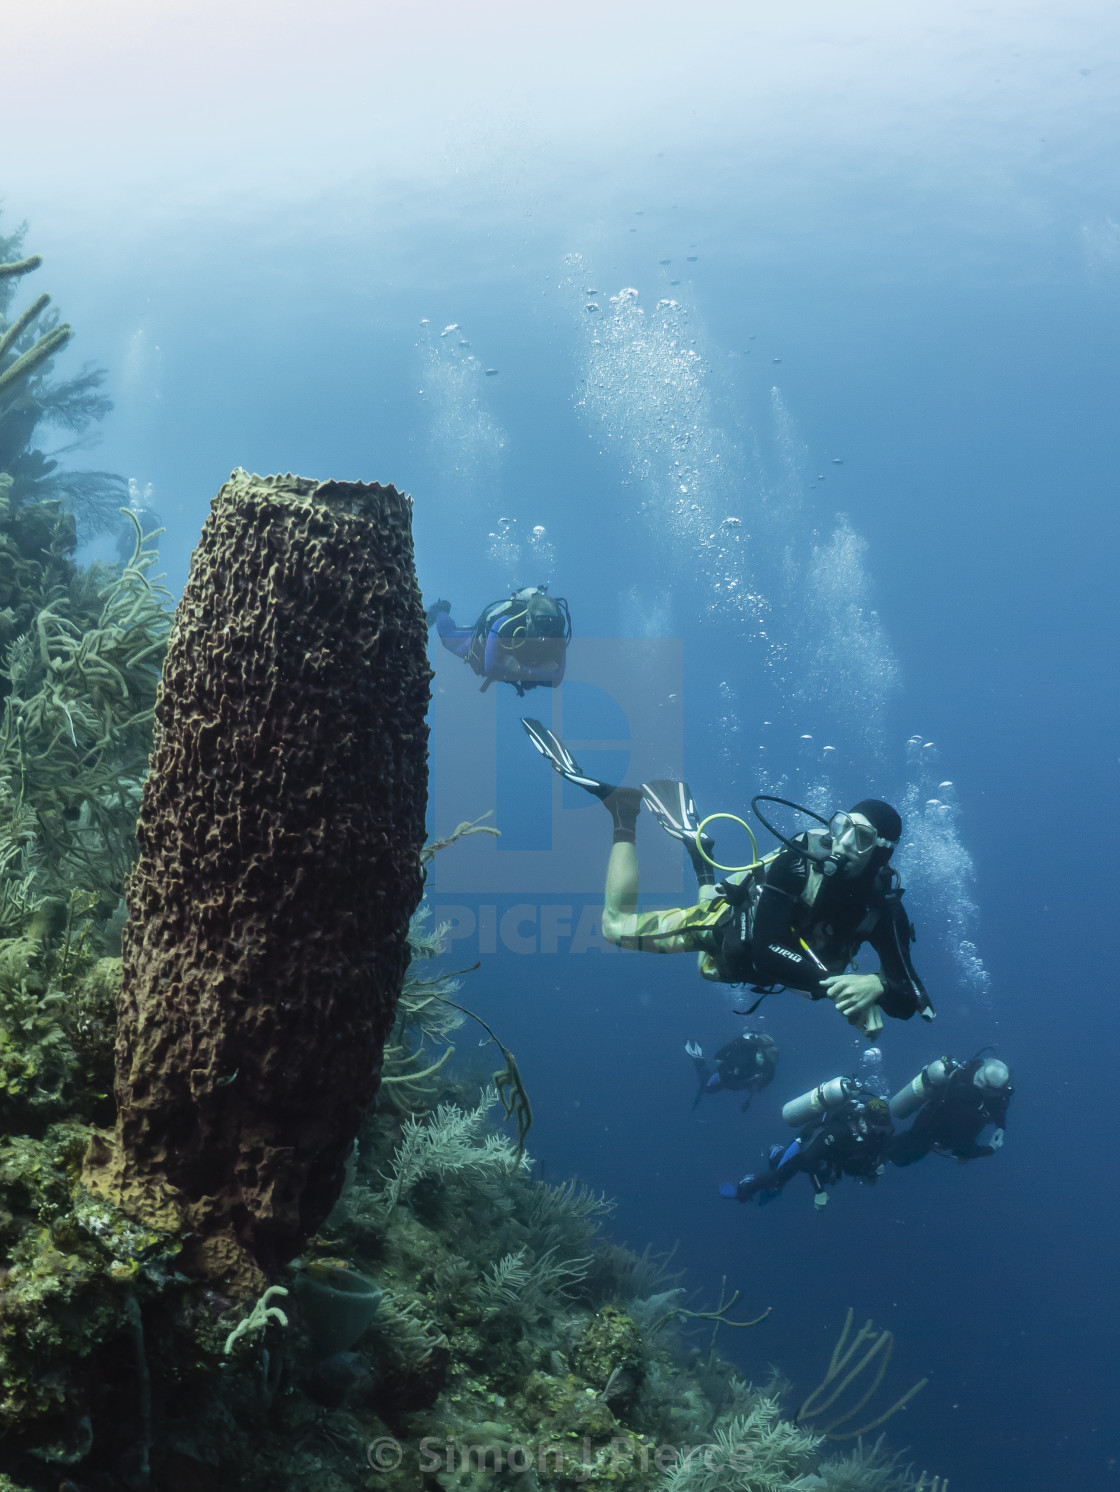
(852, 1141)
(761, 937)
(952, 1120)
(738, 1067)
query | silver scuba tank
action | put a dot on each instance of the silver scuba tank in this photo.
(815, 1104)
(910, 1099)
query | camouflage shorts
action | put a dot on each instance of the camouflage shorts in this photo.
(674, 930)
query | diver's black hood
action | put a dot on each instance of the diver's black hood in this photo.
(887, 821)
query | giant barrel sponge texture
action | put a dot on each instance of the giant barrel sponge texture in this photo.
(279, 864)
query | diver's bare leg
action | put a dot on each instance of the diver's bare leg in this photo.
(621, 896)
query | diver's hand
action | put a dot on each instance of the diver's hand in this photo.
(852, 994)
(997, 1139)
(694, 1049)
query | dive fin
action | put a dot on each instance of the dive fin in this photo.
(552, 748)
(672, 806)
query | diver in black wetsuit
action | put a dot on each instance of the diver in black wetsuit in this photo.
(807, 924)
(954, 1103)
(793, 920)
(746, 1063)
(848, 1132)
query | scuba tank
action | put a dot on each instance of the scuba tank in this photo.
(812, 1106)
(910, 1099)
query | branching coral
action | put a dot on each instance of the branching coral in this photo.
(618, 1273)
(459, 832)
(422, 1012)
(423, 1015)
(828, 1391)
(405, 1333)
(36, 1058)
(869, 1469)
(564, 1216)
(258, 1318)
(753, 1452)
(451, 1142)
(519, 1286)
(76, 730)
(29, 399)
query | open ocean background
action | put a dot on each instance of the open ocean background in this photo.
(856, 273)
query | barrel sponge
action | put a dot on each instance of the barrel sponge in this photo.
(279, 864)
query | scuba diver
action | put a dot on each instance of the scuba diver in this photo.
(953, 1103)
(747, 1062)
(522, 641)
(845, 1131)
(794, 919)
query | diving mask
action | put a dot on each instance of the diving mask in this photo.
(856, 839)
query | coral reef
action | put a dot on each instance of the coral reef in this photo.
(280, 835)
(510, 1337)
(491, 1332)
(81, 651)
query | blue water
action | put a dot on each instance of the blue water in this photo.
(893, 244)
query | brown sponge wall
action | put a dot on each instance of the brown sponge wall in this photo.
(280, 837)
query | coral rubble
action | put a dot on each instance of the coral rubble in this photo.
(280, 836)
